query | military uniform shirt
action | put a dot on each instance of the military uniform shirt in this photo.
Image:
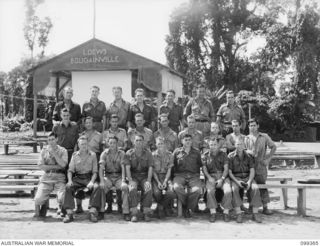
(229, 113)
(94, 140)
(67, 135)
(215, 163)
(79, 165)
(122, 112)
(231, 140)
(47, 159)
(187, 162)
(75, 111)
(147, 111)
(200, 110)
(112, 164)
(259, 145)
(96, 112)
(240, 168)
(162, 162)
(139, 164)
(146, 133)
(119, 133)
(170, 139)
(197, 138)
(175, 114)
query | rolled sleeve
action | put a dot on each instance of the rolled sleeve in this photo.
(126, 160)
(150, 160)
(170, 165)
(94, 163)
(270, 143)
(187, 109)
(122, 159)
(102, 161)
(72, 166)
(41, 158)
(212, 114)
(64, 157)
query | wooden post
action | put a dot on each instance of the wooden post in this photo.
(6, 149)
(250, 110)
(285, 194)
(35, 104)
(301, 202)
(179, 206)
(57, 87)
(158, 105)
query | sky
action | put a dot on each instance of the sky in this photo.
(139, 26)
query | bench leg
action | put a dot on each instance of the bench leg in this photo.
(35, 148)
(179, 206)
(284, 194)
(301, 202)
(6, 149)
(316, 165)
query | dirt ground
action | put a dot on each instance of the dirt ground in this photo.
(16, 220)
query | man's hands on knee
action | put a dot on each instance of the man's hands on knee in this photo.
(69, 184)
(147, 186)
(90, 185)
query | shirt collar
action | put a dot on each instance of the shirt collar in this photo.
(114, 102)
(111, 131)
(98, 101)
(166, 103)
(71, 103)
(136, 103)
(108, 151)
(63, 125)
(197, 99)
(244, 154)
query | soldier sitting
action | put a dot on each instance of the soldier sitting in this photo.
(82, 174)
(112, 174)
(53, 161)
(215, 169)
(162, 185)
(139, 165)
(241, 172)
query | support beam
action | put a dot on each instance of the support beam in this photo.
(35, 104)
(301, 202)
(285, 194)
(57, 87)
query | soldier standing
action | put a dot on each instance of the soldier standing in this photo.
(96, 109)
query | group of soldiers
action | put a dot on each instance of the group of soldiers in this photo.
(129, 148)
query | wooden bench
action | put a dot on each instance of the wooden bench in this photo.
(6, 144)
(19, 182)
(296, 156)
(302, 191)
(16, 188)
(15, 181)
(283, 180)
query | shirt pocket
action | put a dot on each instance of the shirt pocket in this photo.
(157, 165)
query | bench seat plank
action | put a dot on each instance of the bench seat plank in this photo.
(13, 172)
(288, 186)
(18, 181)
(17, 187)
(279, 179)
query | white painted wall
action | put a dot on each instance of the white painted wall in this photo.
(82, 81)
(171, 81)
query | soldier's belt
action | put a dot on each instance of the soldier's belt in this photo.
(55, 171)
(199, 120)
(83, 175)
